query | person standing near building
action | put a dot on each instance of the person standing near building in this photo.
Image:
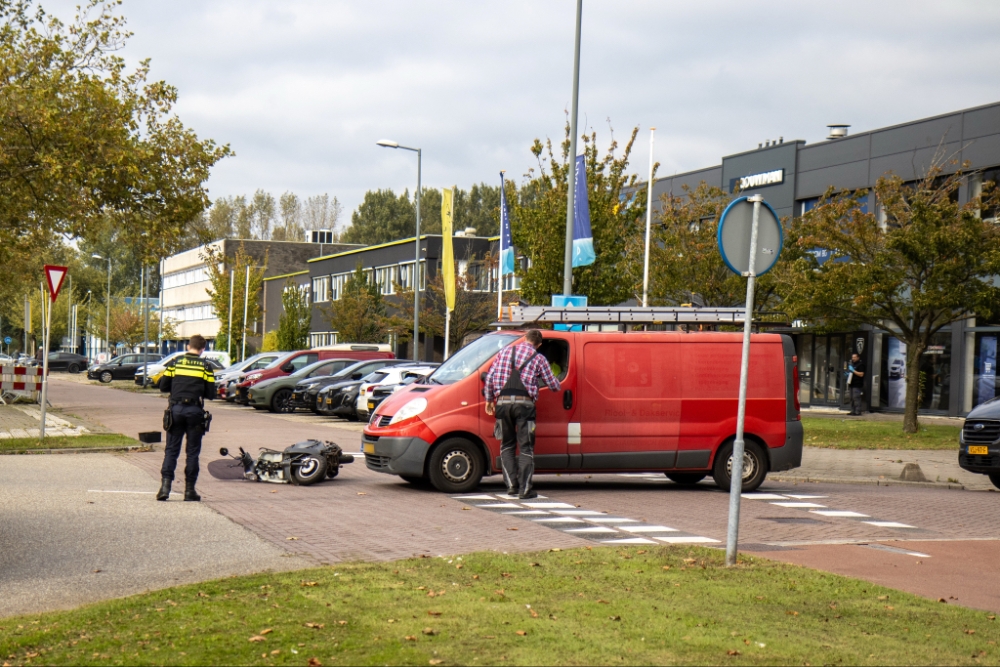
(856, 384)
(190, 381)
(511, 392)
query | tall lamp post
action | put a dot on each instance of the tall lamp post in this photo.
(385, 143)
(571, 179)
(107, 303)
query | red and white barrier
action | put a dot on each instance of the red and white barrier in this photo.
(20, 378)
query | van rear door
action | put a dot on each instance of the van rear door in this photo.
(630, 401)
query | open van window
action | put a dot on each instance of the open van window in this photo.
(469, 359)
(557, 353)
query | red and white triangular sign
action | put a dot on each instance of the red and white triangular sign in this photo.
(55, 276)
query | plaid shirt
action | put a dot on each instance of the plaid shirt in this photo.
(538, 368)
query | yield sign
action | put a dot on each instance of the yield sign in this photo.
(55, 276)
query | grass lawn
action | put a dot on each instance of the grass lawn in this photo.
(653, 605)
(848, 433)
(64, 442)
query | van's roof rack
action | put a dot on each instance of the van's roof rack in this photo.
(519, 315)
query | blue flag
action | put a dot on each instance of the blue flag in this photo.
(506, 243)
(583, 239)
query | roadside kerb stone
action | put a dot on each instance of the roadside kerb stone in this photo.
(79, 450)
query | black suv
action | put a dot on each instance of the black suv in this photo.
(979, 443)
(305, 393)
(120, 368)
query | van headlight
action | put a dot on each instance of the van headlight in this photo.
(410, 410)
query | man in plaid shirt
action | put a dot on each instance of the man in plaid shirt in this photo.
(511, 392)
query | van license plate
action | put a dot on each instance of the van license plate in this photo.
(979, 450)
(329, 401)
(369, 448)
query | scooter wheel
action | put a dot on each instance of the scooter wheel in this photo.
(311, 470)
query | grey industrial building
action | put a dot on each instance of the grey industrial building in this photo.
(791, 175)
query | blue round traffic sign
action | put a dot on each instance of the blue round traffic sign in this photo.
(7, 340)
(735, 227)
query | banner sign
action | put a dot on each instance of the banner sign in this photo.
(447, 250)
(583, 239)
(506, 241)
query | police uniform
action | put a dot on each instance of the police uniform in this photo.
(190, 381)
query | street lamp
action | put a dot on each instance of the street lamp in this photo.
(107, 303)
(385, 143)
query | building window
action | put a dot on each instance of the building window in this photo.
(385, 276)
(976, 182)
(321, 289)
(186, 277)
(190, 313)
(337, 285)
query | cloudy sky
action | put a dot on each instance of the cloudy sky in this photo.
(302, 90)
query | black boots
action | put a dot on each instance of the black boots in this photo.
(189, 492)
(164, 491)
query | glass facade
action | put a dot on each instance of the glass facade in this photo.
(984, 368)
(935, 374)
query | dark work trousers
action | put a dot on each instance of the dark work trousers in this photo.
(518, 423)
(857, 400)
(190, 420)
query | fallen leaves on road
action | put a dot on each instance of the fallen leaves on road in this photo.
(969, 632)
(258, 638)
(309, 584)
(603, 602)
(433, 613)
(429, 631)
(362, 493)
(512, 529)
(291, 539)
(666, 567)
(314, 662)
(614, 618)
(464, 509)
(267, 631)
(316, 626)
(732, 652)
(435, 661)
(556, 550)
(792, 613)
(522, 633)
(410, 638)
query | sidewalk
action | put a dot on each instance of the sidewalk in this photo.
(883, 467)
(24, 421)
(834, 413)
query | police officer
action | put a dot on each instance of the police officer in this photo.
(511, 392)
(190, 381)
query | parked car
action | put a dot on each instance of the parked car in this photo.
(120, 368)
(387, 376)
(226, 380)
(67, 361)
(381, 392)
(294, 361)
(897, 369)
(216, 360)
(661, 402)
(306, 392)
(979, 441)
(276, 394)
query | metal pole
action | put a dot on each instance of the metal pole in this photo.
(27, 322)
(571, 177)
(649, 222)
(246, 306)
(45, 362)
(107, 324)
(500, 261)
(447, 330)
(145, 327)
(736, 485)
(159, 330)
(416, 271)
(69, 312)
(229, 346)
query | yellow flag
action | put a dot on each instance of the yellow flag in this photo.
(447, 252)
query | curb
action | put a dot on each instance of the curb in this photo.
(80, 450)
(874, 481)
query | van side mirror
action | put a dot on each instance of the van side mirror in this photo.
(483, 376)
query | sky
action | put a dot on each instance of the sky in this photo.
(301, 90)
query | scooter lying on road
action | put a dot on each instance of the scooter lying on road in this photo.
(303, 463)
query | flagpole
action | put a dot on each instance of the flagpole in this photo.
(447, 331)
(649, 222)
(571, 177)
(45, 361)
(500, 257)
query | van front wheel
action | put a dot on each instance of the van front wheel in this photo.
(754, 466)
(456, 466)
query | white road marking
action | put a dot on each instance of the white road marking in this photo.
(525, 512)
(595, 529)
(578, 512)
(647, 529)
(612, 519)
(629, 540)
(792, 495)
(798, 505)
(473, 498)
(101, 491)
(888, 524)
(504, 496)
(690, 539)
(840, 513)
(547, 506)
(559, 519)
(762, 496)
(500, 506)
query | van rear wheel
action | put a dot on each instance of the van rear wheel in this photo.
(754, 466)
(995, 478)
(686, 478)
(456, 466)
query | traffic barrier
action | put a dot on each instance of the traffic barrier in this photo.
(20, 381)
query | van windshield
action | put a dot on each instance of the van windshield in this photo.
(470, 358)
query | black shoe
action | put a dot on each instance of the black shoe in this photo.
(512, 491)
(527, 495)
(189, 492)
(164, 492)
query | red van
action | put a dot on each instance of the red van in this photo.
(630, 402)
(293, 361)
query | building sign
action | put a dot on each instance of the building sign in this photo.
(758, 180)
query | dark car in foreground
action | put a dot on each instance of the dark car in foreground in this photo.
(121, 368)
(979, 442)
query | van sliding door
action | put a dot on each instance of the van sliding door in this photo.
(630, 402)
